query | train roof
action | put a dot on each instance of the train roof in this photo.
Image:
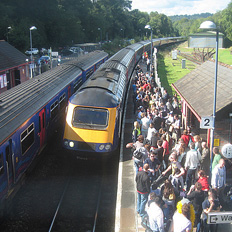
(123, 56)
(21, 102)
(108, 82)
(95, 97)
(85, 61)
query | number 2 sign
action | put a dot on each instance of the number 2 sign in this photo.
(206, 122)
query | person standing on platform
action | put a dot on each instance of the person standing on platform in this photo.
(205, 158)
(154, 165)
(177, 171)
(165, 146)
(216, 158)
(192, 163)
(148, 64)
(155, 215)
(145, 123)
(136, 131)
(143, 185)
(218, 180)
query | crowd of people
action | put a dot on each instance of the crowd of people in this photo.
(174, 192)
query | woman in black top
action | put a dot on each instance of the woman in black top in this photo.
(196, 196)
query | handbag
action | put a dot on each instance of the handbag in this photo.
(171, 128)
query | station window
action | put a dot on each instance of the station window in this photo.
(77, 84)
(54, 109)
(62, 101)
(27, 138)
(1, 164)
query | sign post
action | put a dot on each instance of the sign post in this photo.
(206, 122)
(219, 217)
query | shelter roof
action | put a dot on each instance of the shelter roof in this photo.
(206, 33)
(197, 88)
(10, 57)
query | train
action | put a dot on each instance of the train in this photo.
(95, 112)
(30, 113)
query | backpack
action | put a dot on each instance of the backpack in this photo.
(138, 153)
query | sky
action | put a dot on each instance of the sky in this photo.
(180, 7)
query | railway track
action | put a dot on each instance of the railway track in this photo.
(190, 58)
(63, 193)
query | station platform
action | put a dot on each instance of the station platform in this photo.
(127, 219)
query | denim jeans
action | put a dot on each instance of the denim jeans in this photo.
(141, 202)
(190, 178)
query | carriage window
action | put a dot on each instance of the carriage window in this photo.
(1, 164)
(98, 64)
(54, 109)
(77, 84)
(89, 73)
(90, 118)
(27, 138)
(62, 100)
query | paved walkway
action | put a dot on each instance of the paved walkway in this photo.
(127, 219)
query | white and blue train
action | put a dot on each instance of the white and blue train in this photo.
(29, 114)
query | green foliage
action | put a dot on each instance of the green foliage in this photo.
(225, 56)
(170, 70)
(175, 18)
(186, 24)
(66, 22)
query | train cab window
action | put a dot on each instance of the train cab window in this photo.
(62, 101)
(27, 138)
(54, 109)
(1, 164)
(90, 118)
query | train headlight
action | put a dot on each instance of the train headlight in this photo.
(71, 144)
(108, 147)
(101, 147)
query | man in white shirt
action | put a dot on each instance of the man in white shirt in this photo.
(219, 175)
(192, 162)
(155, 214)
(145, 123)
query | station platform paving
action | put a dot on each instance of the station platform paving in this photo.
(126, 217)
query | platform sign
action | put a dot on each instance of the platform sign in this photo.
(216, 142)
(227, 151)
(219, 217)
(206, 122)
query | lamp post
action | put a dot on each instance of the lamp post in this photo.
(32, 63)
(149, 27)
(122, 33)
(7, 34)
(100, 35)
(212, 26)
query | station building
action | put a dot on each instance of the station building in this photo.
(196, 91)
(14, 66)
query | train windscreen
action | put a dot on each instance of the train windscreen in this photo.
(91, 118)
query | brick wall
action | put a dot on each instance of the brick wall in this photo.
(222, 131)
